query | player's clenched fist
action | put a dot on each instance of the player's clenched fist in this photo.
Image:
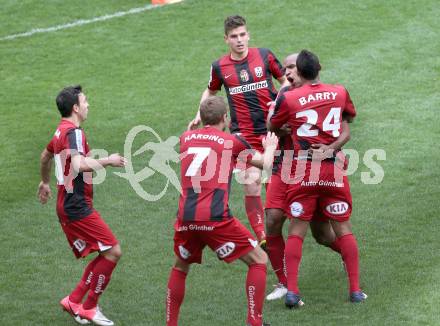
(117, 160)
(194, 124)
(44, 192)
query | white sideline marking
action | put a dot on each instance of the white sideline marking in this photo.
(79, 22)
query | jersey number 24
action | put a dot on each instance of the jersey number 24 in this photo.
(332, 122)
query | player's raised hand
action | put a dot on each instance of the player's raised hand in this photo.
(44, 192)
(194, 124)
(271, 105)
(271, 140)
(117, 160)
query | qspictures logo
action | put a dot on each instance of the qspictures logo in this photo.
(163, 160)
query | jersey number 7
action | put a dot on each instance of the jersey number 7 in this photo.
(201, 153)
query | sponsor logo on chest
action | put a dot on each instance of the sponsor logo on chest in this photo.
(248, 87)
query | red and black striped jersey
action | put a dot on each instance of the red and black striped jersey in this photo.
(249, 87)
(75, 192)
(284, 143)
(314, 112)
(208, 157)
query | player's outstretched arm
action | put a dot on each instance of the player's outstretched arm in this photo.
(82, 163)
(265, 160)
(196, 121)
(44, 192)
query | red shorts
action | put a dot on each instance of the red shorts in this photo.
(276, 192)
(325, 196)
(256, 141)
(230, 240)
(88, 235)
(276, 197)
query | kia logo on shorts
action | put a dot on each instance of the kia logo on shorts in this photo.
(338, 208)
(225, 250)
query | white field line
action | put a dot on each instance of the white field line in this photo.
(79, 22)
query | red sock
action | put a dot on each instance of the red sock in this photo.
(350, 255)
(101, 277)
(293, 253)
(255, 214)
(255, 289)
(335, 246)
(175, 295)
(81, 288)
(275, 250)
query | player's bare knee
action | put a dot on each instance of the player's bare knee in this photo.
(321, 239)
(256, 256)
(298, 227)
(260, 256)
(274, 221)
(252, 189)
(181, 265)
(341, 228)
(117, 251)
(113, 254)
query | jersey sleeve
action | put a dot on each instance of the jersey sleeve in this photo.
(50, 146)
(242, 149)
(349, 108)
(284, 89)
(275, 66)
(280, 93)
(215, 81)
(281, 112)
(75, 141)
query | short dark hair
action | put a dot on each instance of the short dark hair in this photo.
(307, 64)
(212, 110)
(67, 98)
(233, 22)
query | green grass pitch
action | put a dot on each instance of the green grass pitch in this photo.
(150, 69)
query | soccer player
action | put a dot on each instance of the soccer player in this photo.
(315, 111)
(204, 219)
(83, 226)
(277, 189)
(246, 74)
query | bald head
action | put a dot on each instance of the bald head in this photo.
(290, 59)
(291, 73)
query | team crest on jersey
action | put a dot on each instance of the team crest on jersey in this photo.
(258, 72)
(244, 76)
